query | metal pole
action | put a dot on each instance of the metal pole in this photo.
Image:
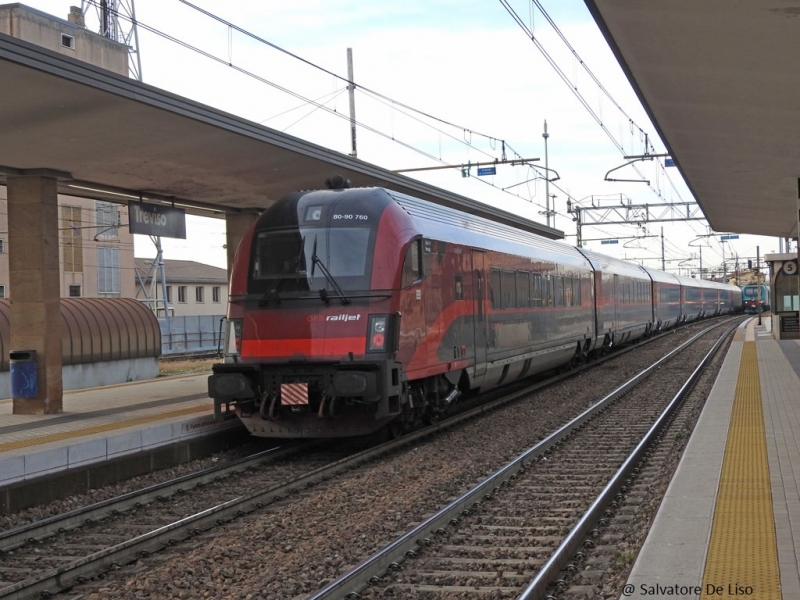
(758, 264)
(546, 135)
(351, 88)
(758, 281)
(160, 258)
(663, 262)
(136, 43)
(701, 262)
(797, 246)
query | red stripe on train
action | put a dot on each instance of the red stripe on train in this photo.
(304, 346)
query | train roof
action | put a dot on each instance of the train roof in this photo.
(705, 283)
(439, 222)
(661, 276)
(609, 264)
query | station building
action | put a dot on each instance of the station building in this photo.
(193, 288)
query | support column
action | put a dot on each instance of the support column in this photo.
(34, 285)
(236, 225)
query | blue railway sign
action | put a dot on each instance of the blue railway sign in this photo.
(487, 171)
(609, 242)
(728, 237)
(669, 162)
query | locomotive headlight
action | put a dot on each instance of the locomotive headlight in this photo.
(376, 333)
(233, 338)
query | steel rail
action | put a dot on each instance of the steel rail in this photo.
(371, 569)
(18, 536)
(537, 588)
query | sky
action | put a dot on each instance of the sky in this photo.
(439, 82)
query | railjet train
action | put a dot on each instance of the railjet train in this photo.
(356, 309)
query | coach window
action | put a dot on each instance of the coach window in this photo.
(576, 292)
(459, 291)
(494, 288)
(568, 301)
(509, 289)
(523, 289)
(547, 290)
(558, 288)
(412, 267)
(536, 290)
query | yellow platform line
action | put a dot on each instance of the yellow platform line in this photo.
(743, 554)
(66, 435)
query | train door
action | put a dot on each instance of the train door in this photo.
(481, 318)
(616, 300)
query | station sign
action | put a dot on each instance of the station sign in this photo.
(728, 237)
(487, 171)
(155, 219)
(609, 242)
(669, 162)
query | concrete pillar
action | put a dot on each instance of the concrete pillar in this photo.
(34, 285)
(236, 225)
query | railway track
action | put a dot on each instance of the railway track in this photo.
(522, 532)
(50, 556)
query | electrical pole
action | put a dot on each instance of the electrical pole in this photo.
(546, 135)
(351, 88)
(663, 262)
(701, 262)
(758, 281)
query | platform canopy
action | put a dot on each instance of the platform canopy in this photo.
(101, 133)
(719, 79)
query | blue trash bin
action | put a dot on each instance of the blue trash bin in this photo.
(24, 379)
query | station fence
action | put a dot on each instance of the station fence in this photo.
(191, 334)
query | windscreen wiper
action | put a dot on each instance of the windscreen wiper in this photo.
(323, 293)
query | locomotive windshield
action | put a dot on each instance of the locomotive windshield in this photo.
(284, 257)
(750, 292)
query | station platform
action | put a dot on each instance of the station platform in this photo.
(729, 524)
(105, 423)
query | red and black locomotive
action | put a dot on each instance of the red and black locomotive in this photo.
(354, 309)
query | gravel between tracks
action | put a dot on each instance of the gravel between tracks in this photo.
(277, 555)
(37, 513)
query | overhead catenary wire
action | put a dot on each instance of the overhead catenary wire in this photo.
(573, 88)
(329, 72)
(283, 89)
